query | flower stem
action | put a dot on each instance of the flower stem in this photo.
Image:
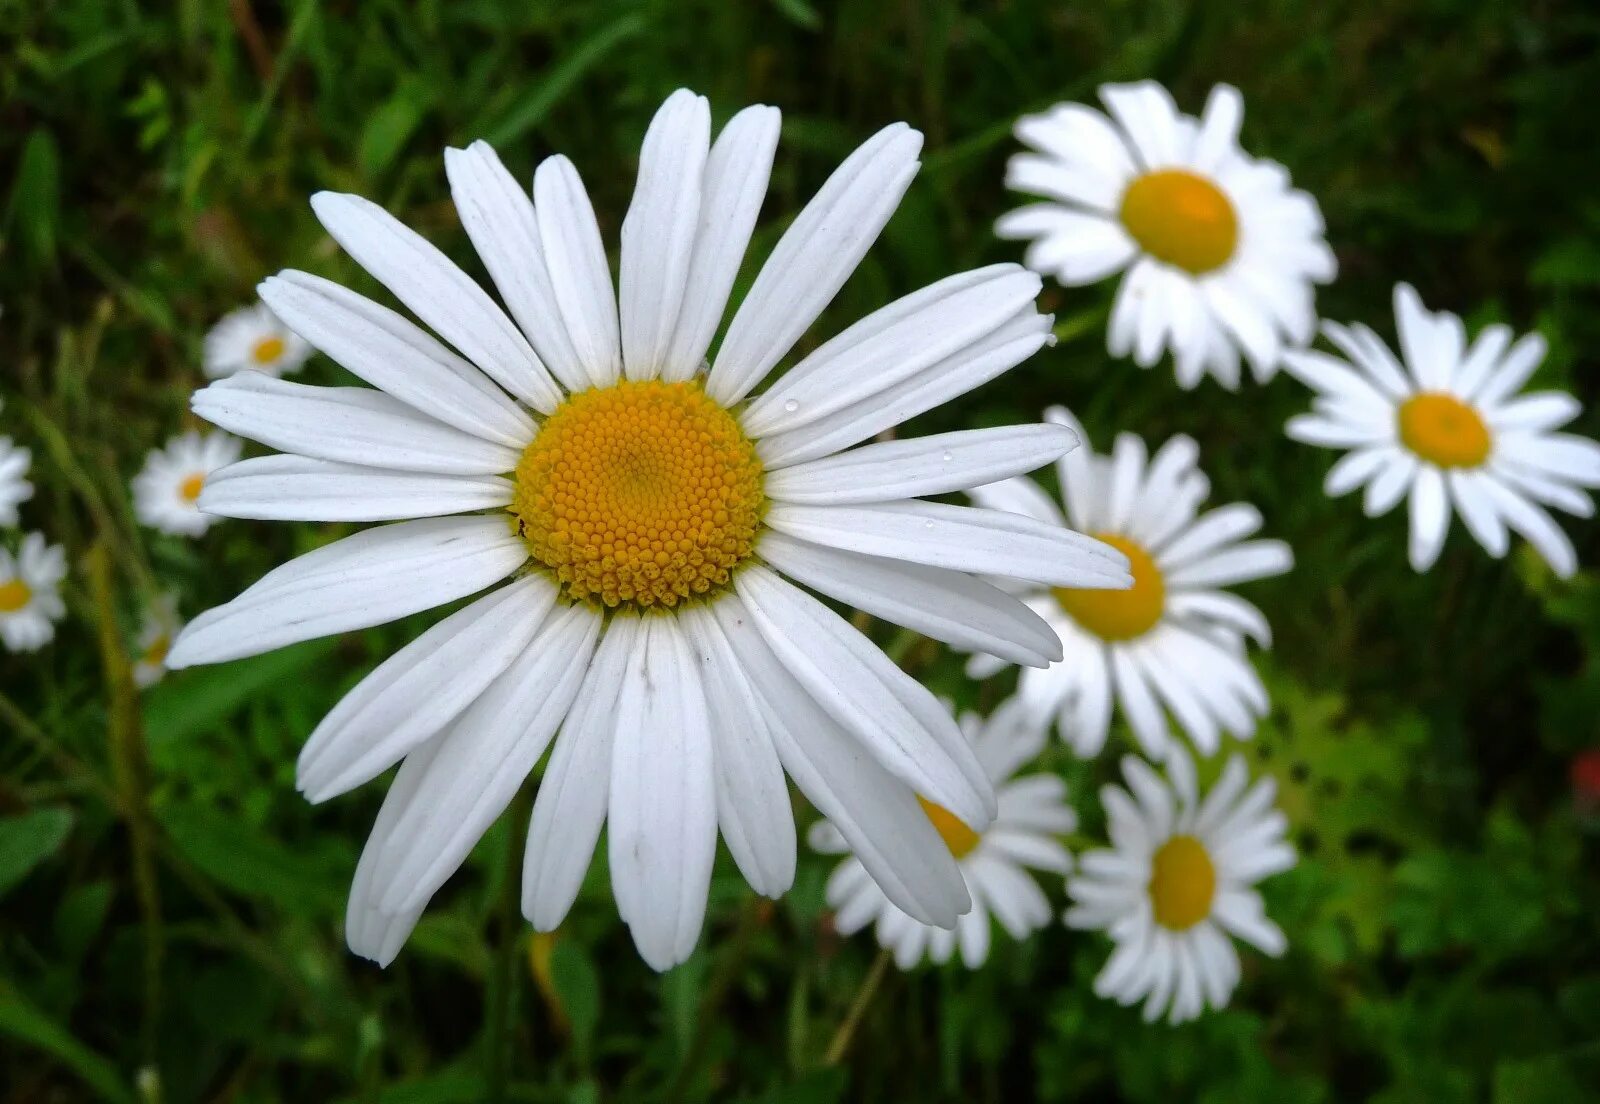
(502, 976)
(858, 1010)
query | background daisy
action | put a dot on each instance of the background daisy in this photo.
(1177, 881)
(995, 862)
(253, 339)
(157, 628)
(1219, 253)
(166, 492)
(1447, 425)
(30, 599)
(14, 486)
(641, 480)
(1173, 643)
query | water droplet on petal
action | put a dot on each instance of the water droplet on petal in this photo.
(791, 406)
(927, 525)
(949, 456)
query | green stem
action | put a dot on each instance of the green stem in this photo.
(858, 1010)
(497, 1028)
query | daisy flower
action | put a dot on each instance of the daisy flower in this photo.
(1175, 641)
(14, 486)
(166, 492)
(1445, 423)
(253, 338)
(994, 862)
(156, 630)
(1219, 253)
(30, 601)
(646, 508)
(1178, 879)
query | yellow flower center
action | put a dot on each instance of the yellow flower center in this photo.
(1182, 219)
(642, 493)
(1444, 430)
(189, 489)
(14, 594)
(1182, 883)
(1120, 614)
(267, 350)
(956, 835)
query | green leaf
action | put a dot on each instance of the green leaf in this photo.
(80, 916)
(390, 126)
(28, 840)
(239, 856)
(546, 94)
(22, 1021)
(33, 217)
(195, 702)
(577, 982)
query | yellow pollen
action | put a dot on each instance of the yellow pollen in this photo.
(641, 494)
(1182, 883)
(1120, 614)
(14, 594)
(267, 350)
(1182, 219)
(189, 489)
(1444, 430)
(956, 835)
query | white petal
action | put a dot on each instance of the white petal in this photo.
(1251, 560)
(420, 689)
(1430, 517)
(395, 356)
(893, 715)
(354, 425)
(1219, 128)
(579, 273)
(1221, 607)
(813, 259)
(498, 216)
(437, 292)
(1074, 247)
(1354, 469)
(1536, 413)
(372, 577)
(1018, 496)
(662, 834)
(920, 466)
(950, 606)
(1148, 117)
(735, 183)
(1477, 510)
(659, 230)
(894, 344)
(370, 932)
(571, 803)
(1212, 530)
(961, 538)
(1519, 364)
(1537, 526)
(1390, 484)
(298, 488)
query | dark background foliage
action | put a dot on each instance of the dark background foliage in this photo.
(170, 909)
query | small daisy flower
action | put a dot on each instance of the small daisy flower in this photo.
(646, 510)
(994, 862)
(156, 631)
(1178, 879)
(30, 599)
(1445, 423)
(1175, 641)
(166, 492)
(14, 486)
(253, 339)
(1219, 252)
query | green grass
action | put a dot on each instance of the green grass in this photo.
(171, 910)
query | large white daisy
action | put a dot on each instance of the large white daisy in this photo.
(1220, 252)
(646, 508)
(253, 339)
(166, 492)
(30, 599)
(1446, 424)
(1173, 643)
(1178, 879)
(14, 486)
(1032, 813)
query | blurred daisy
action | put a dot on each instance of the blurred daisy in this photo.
(1178, 879)
(156, 630)
(30, 601)
(166, 492)
(1175, 641)
(1219, 252)
(994, 862)
(252, 338)
(14, 486)
(654, 508)
(1449, 428)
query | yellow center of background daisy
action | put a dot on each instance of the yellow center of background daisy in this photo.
(267, 350)
(190, 488)
(156, 653)
(642, 493)
(1444, 430)
(1182, 883)
(1182, 219)
(956, 835)
(1120, 614)
(14, 594)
